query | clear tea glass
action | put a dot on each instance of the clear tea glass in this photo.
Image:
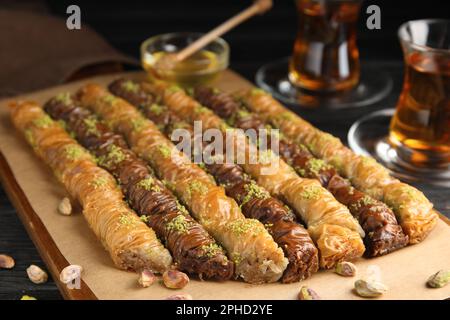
(420, 128)
(326, 56)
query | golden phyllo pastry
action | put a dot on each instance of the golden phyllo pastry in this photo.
(413, 210)
(131, 244)
(257, 257)
(330, 224)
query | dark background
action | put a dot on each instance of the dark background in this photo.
(125, 24)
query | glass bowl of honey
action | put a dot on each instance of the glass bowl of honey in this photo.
(202, 67)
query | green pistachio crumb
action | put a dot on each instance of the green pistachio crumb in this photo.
(110, 99)
(311, 192)
(130, 86)
(30, 138)
(138, 124)
(257, 91)
(245, 226)
(178, 224)
(315, 166)
(149, 185)
(43, 122)
(165, 150)
(64, 98)
(173, 89)
(182, 208)
(197, 187)
(73, 151)
(253, 191)
(127, 220)
(211, 249)
(115, 155)
(157, 109)
(236, 258)
(98, 182)
(91, 125)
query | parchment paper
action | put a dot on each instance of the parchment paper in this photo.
(404, 271)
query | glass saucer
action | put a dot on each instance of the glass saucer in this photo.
(368, 136)
(375, 84)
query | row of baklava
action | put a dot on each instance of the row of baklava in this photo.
(219, 219)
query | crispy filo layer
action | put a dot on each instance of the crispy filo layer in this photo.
(255, 202)
(383, 234)
(131, 244)
(413, 210)
(192, 248)
(256, 256)
(330, 224)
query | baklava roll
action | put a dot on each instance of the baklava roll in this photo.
(256, 256)
(330, 224)
(131, 244)
(413, 210)
(193, 249)
(255, 202)
(383, 234)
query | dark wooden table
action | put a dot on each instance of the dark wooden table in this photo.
(255, 43)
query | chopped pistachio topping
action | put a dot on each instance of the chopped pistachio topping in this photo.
(201, 165)
(236, 258)
(127, 220)
(43, 122)
(198, 187)
(245, 226)
(182, 208)
(115, 155)
(301, 171)
(138, 124)
(130, 86)
(363, 202)
(173, 89)
(165, 150)
(315, 166)
(180, 125)
(286, 116)
(98, 182)
(311, 192)
(91, 125)
(199, 109)
(211, 249)
(149, 185)
(266, 156)
(64, 97)
(178, 224)
(110, 99)
(30, 138)
(367, 160)
(144, 218)
(157, 109)
(253, 191)
(73, 151)
(169, 185)
(257, 91)
(62, 124)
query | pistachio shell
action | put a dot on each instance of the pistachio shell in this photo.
(439, 279)
(370, 289)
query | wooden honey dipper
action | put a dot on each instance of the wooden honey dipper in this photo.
(169, 61)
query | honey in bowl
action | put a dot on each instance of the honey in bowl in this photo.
(200, 68)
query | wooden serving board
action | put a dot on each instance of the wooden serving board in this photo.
(63, 240)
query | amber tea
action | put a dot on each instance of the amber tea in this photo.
(326, 56)
(422, 120)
